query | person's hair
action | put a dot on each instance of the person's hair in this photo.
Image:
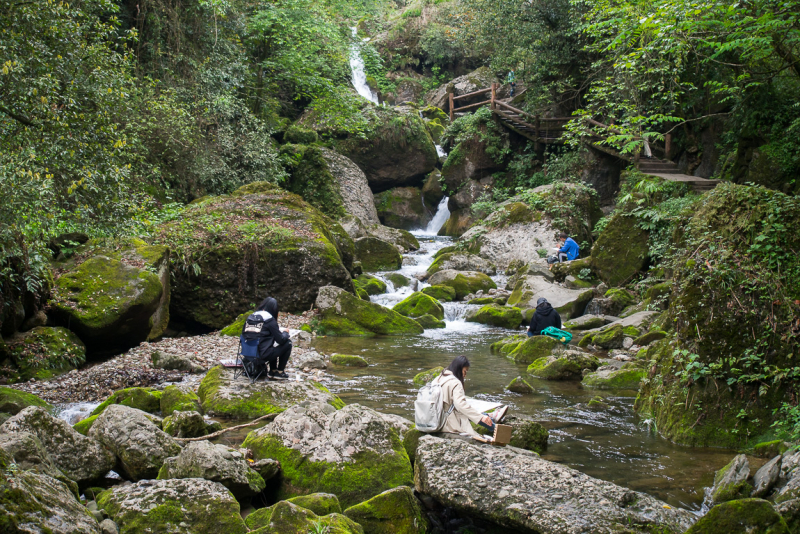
(457, 367)
(270, 305)
(563, 235)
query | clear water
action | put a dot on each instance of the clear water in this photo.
(357, 67)
(612, 445)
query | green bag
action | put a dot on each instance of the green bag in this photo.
(561, 335)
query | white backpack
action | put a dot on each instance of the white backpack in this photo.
(429, 414)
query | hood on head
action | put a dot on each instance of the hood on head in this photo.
(544, 308)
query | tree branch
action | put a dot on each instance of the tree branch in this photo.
(19, 118)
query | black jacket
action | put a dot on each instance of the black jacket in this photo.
(545, 316)
(263, 326)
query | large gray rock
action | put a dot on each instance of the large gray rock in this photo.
(28, 453)
(766, 477)
(81, 458)
(353, 187)
(640, 320)
(730, 482)
(188, 424)
(139, 445)
(31, 502)
(568, 302)
(201, 459)
(177, 506)
(518, 490)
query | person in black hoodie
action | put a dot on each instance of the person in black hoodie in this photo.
(545, 316)
(274, 345)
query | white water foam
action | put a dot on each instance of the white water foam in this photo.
(78, 411)
(440, 151)
(439, 218)
(357, 67)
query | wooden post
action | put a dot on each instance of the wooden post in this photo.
(494, 92)
(668, 146)
(451, 106)
(539, 145)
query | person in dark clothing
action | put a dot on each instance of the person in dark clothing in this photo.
(274, 345)
(545, 316)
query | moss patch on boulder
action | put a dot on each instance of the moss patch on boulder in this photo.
(310, 176)
(533, 348)
(402, 207)
(626, 378)
(237, 326)
(370, 284)
(180, 399)
(519, 385)
(342, 314)
(145, 399)
(463, 283)
(496, 315)
(529, 435)
(377, 255)
(620, 251)
(441, 293)
(396, 511)
(319, 503)
(567, 366)
(429, 321)
(742, 516)
(13, 401)
(420, 379)
(418, 304)
(397, 279)
(349, 360)
(286, 516)
(44, 353)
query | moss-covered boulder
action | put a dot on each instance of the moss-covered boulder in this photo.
(461, 261)
(566, 366)
(429, 321)
(402, 207)
(353, 453)
(260, 240)
(528, 434)
(377, 255)
(585, 322)
(349, 360)
(178, 398)
(145, 399)
(319, 503)
(441, 292)
(400, 238)
(732, 481)
(310, 177)
(567, 302)
(625, 378)
(42, 353)
(497, 315)
(463, 282)
(342, 314)
(743, 516)
(223, 396)
(418, 304)
(532, 349)
(396, 511)
(607, 338)
(180, 506)
(507, 344)
(519, 385)
(237, 326)
(619, 300)
(370, 284)
(187, 424)
(420, 379)
(35, 502)
(620, 251)
(397, 152)
(432, 191)
(13, 401)
(286, 516)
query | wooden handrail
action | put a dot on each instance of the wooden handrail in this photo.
(512, 108)
(476, 105)
(472, 93)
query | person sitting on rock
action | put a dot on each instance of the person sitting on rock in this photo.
(274, 345)
(569, 250)
(458, 422)
(544, 316)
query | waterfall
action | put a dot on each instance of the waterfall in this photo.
(357, 66)
(439, 150)
(442, 214)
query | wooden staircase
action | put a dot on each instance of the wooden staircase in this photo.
(669, 171)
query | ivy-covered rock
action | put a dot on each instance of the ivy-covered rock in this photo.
(180, 506)
(440, 292)
(82, 459)
(531, 349)
(13, 401)
(349, 360)
(429, 321)
(177, 398)
(266, 241)
(743, 516)
(418, 304)
(420, 379)
(496, 315)
(519, 385)
(611, 378)
(567, 302)
(319, 503)
(370, 284)
(396, 511)
(402, 207)
(463, 282)
(223, 396)
(43, 353)
(188, 424)
(139, 445)
(377, 255)
(353, 453)
(620, 251)
(201, 459)
(286, 516)
(461, 261)
(568, 365)
(34, 502)
(731, 482)
(342, 314)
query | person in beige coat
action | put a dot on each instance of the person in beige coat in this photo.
(452, 382)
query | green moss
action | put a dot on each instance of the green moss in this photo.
(396, 511)
(597, 404)
(411, 441)
(609, 338)
(44, 353)
(531, 436)
(14, 401)
(418, 304)
(286, 517)
(429, 321)
(620, 251)
(236, 327)
(769, 449)
(507, 344)
(306, 328)
(319, 503)
(622, 379)
(401, 207)
(440, 292)
(370, 284)
(496, 315)
(649, 337)
(397, 280)
(377, 255)
(84, 425)
(357, 317)
(631, 331)
(464, 284)
(363, 295)
(298, 135)
(533, 348)
(519, 385)
(742, 516)
(570, 268)
(586, 341)
(620, 298)
(179, 399)
(310, 176)
(482, 300)
(348, 360)
(568, 366)
(594, 322)
(352, 482)
(420, 379)
(145, 399)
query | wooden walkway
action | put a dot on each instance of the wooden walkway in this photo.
(549, 130)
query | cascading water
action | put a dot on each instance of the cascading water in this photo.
(357, 66)
(439, 218)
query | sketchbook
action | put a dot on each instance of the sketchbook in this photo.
(483, 406)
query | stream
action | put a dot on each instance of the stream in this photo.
(613, 445)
